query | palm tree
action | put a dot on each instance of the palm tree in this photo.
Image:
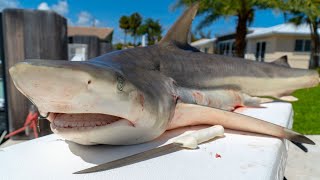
(306, 11)
(243, 10)
(124, 24)
(134, 21)
(152, 28)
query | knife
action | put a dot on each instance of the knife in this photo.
(188, 141)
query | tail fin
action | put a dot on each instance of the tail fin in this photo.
(190, 114)
(296, 137)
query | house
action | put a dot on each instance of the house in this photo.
(88, 42)
(205, 45)
(268, 44)
(225, 43)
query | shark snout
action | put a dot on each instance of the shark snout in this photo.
(46, 80)
(62, 86)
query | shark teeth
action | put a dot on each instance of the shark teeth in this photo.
(82, 120)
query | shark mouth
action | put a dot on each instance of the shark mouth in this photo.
(83, 121)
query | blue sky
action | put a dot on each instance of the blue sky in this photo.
(106, 13)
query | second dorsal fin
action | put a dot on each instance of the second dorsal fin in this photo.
(283, 61)
(178, 33)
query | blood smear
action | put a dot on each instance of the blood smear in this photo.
(218, 155)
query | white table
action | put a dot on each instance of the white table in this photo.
(243, 156)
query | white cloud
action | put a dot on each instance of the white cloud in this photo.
(8, 4)
(86, 19)
(44, 6)
(96, 22)
(61, 7)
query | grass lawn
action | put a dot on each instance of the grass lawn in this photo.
(307, 111)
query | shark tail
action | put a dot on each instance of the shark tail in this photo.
(296, 137)
(190, 114)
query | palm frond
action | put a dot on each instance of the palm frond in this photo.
(207, 20)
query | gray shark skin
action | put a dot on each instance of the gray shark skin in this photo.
(132, 96)
(283, 61)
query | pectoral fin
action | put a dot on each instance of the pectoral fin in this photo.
(190, 114)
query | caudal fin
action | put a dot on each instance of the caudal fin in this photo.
(190, 114)
(296, 137)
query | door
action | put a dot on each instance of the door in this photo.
(260, 51)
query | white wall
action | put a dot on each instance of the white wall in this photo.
(279, 45)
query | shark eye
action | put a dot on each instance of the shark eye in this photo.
(120, 84)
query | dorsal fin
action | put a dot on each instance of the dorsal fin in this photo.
(178, 33)
(283, 61)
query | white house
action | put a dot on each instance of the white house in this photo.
(205, 45)
(268, 44)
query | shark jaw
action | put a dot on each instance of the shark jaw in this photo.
(92, 128)
(83, 121)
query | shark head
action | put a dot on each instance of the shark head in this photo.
(93, 104)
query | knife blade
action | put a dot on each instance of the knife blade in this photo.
(189, 141)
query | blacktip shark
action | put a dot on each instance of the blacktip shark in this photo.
(133, 96)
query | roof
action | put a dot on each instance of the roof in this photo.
(286, 28)
(101, 33)
(250, 30)
(201, 42)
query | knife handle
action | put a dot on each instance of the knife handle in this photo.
(197, 137)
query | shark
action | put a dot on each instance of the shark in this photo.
(134, 95)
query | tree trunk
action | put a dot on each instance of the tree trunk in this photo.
(315, 46)
(240, 43)
(125, 37)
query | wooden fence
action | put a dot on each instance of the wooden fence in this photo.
(30, 34)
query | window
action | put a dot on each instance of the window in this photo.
(302, 45)
(77, 52)
(233, 49)
(257, 50)
(221, 48)
(226, 52)
(260, 51)
(226, 48)
(307, 45)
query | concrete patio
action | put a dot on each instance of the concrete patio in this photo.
(301, 165)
